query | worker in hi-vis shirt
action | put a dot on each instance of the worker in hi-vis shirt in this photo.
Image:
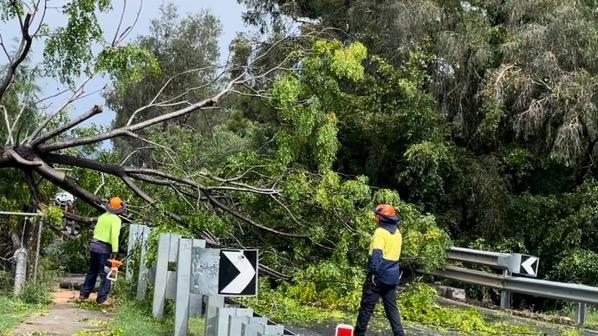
(103, 246)
(383, 271)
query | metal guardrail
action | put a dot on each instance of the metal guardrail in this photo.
(510, 263)
(493, 259)
(535, 287)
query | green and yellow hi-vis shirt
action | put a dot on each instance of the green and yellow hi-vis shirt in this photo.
(107, 230)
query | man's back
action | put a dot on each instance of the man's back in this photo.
(388, 241)
(108, 229)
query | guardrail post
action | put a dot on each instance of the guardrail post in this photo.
(161, 275)
(581, 313)
(183, 286)
(213, 303)
(143, 270)
(196, 300)
(505, 295)
(132, 244)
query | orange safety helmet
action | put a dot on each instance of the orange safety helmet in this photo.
(116, 205)
(386, 211)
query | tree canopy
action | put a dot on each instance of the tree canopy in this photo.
(485, 114)
(476, 119)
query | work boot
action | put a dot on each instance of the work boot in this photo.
(105, 303)
(81, 298)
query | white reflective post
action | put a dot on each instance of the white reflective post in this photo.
(183, 270)
(161, 273)
(143, 270)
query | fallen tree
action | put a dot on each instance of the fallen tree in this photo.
(287, 200)
(39, 154)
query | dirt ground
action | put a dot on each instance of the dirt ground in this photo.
(64, 317)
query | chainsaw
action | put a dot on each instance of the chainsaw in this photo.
(114, 266)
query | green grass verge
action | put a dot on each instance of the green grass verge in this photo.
(134, 318)
(14, 311)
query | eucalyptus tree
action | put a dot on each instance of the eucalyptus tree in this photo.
(187, 47)
(273, 199)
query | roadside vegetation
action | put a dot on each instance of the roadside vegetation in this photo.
(418, 306)
(134, 317)
(477, 119)
(13, 312)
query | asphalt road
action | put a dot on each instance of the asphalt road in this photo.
(381, 327)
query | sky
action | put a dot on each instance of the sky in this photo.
(228, 11)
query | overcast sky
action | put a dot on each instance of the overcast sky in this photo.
(228, 11)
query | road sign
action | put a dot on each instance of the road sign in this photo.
(224, 272)
(238, 272)
(528, 265)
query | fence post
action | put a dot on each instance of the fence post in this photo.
(40, 224)
(581, 313)
(143, 270)
(505, 295)
(21, 271)
(183, 287)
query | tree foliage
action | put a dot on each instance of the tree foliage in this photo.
(480, 112)
(474, 118)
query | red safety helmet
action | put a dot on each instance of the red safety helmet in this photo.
(386, 211)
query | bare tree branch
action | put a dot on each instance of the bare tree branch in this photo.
(4, 49)
(129, 182)
(9, 137)
(120, 22)
(238, 215)
(128, 30)
(22, 161)
(59, 93)
(76, 94)
(44, 137)
(102, 183)
(153, 103)
(22, 52)
(41, 21)
(141, 125)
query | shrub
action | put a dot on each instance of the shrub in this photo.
(579, 266)
(35, 294)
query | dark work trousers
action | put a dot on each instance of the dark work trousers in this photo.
(97, 261)
(370, 296)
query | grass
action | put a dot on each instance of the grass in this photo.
(591, 314)
(14, 311)
(132, 317)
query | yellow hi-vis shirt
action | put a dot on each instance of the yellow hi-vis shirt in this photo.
(385, 252)
(389, 243)
(108, 229)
